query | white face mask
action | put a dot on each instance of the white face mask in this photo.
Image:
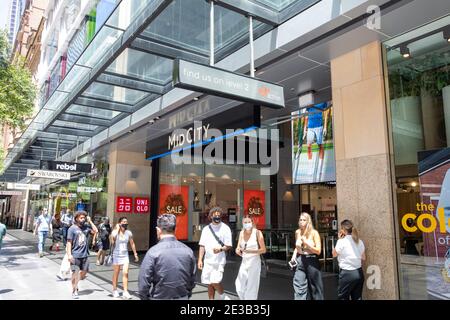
(248, 226)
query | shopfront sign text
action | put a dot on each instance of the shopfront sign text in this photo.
(227, 84)
(10, 193)
(141, 205)
(191, 135)
(23, 186)
(66, 166)
(48, 174)
(124, 204)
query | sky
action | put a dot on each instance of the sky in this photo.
(4, 10)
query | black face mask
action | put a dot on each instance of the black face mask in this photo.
(125, 226)
(216, 219)
(82, 223)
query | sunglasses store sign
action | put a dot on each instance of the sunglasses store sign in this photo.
(140, 205)
(227, 84)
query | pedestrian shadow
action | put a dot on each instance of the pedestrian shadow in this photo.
(3, 291)
(88, 292)
(9, 262)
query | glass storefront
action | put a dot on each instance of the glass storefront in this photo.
(418, 66)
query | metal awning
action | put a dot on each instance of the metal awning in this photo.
(129, 63)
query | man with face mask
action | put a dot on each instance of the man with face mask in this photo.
(43, 228)
(214, 242)
(77, 248)
(168, 262)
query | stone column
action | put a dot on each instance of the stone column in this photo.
(363, 169)
(130, 175)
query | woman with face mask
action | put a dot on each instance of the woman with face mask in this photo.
(120, 238)
(250, 247)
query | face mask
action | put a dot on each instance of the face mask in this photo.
(125, 226)
(82, 223)
(216, 219)
(248, 226)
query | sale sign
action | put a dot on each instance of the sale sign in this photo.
(124, 204)
(141, 205)
(254, 206)
(174, 199)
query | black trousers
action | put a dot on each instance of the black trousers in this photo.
(308, 278)
(350, 284)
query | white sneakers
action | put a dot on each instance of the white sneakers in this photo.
(224, 297)
(126, 295)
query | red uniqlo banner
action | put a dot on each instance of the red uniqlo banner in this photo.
(174, 199)
(254, 206)
(124, 204)
(141, 205)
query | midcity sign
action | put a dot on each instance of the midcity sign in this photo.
(66, 166)
(189, 136)
(227, 84)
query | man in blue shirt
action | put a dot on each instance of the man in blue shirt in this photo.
(77, 248)
(315, 127)
(43, 228)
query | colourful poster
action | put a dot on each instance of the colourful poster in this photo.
(312, 145)
(174, 199)
(254, 206)
(433, 220)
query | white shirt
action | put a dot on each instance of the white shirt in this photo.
(349, 253)
(208, 240)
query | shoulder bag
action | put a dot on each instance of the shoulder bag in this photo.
(109, 258)
(264, 265)
(217, 239)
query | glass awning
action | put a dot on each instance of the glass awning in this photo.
(129, 63)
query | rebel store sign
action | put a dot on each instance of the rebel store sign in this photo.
(66, 166)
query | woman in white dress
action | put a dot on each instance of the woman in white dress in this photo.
(120, 237)
(250, 247)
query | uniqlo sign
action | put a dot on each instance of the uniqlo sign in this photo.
(141, 205)
(124, 204)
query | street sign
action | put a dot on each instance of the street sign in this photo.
(66, 166)
(22, 186)
(48, 174)
(227, 84)
(10, 193)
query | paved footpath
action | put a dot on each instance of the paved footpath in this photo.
(25, 276)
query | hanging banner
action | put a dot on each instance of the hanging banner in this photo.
(312, 145)
(254, 206)
(227, 84)
(174, 199)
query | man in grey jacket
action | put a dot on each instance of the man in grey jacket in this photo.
(168, 269)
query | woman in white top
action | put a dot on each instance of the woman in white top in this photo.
(250, 247)
(307, 278)
(349, 250)
(120, 237)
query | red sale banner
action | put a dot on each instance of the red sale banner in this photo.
(124, 204)
(254, 206)
(174, 199)
(141, 205)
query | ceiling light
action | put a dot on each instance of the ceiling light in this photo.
(196, 98)
(151, 121)
(404, 51)
(157, 118)
(413, 184)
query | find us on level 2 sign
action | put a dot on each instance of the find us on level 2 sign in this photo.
(227, 84)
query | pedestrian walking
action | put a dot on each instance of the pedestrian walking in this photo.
(78, 248)
(43, 229)
(250, 247)
(350, 252)
(56, 237)
(120, 237)
(103, 244)
(67, 221)
(2, 233)
(215, 240)
(168, 269)
(308, 282)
